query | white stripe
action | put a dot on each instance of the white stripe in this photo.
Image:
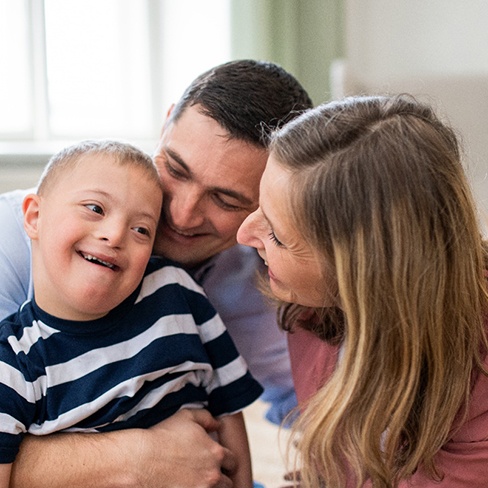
(30, 336)
(196, 378)
(11, 425)
(228, 373)
(169, 275)
(92, 360)
(13, 378)
(127, 388)
(211, 329)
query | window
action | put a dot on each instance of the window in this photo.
(75, 69)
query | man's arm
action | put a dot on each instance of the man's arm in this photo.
(176, 452)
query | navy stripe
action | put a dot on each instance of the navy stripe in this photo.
(9, 447)
(174, 300)
(169, 405)
(234, 396)
(163, 353)
(221, 350)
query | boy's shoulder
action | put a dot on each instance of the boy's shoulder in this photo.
(162, 271)
(13, 326)
(158, 262)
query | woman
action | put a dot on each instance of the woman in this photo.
(369, 230)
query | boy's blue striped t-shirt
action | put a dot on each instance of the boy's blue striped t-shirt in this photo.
(162, 349)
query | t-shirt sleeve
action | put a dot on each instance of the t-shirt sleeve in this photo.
(233, 387)
(250, 319)
(17, 398)
(228, 384)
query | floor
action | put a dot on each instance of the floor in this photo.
(268, 444)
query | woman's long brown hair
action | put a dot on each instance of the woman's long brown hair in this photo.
(380, 192)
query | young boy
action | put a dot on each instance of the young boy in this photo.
(109, 341)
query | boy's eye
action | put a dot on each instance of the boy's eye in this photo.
(95, 208)
(142, 230)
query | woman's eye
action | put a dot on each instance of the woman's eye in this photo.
(276, 241)
(95, 208)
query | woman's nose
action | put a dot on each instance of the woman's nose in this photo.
(248, 233)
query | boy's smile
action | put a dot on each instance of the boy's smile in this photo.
(92, 234)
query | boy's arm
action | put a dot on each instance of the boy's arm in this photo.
(176, 452)
(5, 475)
(233, 436)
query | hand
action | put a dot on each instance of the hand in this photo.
(179, 453)
(176, 453)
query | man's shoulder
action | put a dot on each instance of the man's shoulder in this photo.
(11, 204)
(231, 284)
(238, 262)
(14, 253)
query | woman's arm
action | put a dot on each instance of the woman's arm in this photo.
(176, 452)
(233, 435)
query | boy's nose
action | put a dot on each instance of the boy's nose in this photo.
(114, 233)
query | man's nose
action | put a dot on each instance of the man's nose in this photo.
(186, 210)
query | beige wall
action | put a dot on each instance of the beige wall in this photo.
(436, 49)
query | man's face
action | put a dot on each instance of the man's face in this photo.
(211, 184)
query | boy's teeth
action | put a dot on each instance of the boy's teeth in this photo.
(94, 259)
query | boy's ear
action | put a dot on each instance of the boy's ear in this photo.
(30, 207)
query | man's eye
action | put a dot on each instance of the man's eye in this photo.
(173, 171)
(223, 204)
(95, 208)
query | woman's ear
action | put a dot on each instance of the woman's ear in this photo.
(30, 207)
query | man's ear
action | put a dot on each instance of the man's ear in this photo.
(31, 207)
(168, 113)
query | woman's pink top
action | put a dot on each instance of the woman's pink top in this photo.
(463, 459)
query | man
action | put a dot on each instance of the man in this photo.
(211, 155)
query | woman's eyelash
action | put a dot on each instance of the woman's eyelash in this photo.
(273, 237)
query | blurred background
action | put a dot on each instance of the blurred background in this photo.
(71, 70)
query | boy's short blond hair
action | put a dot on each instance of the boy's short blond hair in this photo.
(69, 157)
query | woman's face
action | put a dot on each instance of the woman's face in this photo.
(294, 268)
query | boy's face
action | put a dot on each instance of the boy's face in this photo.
(92, 234)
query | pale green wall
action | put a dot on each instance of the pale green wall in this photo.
(303, 36)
